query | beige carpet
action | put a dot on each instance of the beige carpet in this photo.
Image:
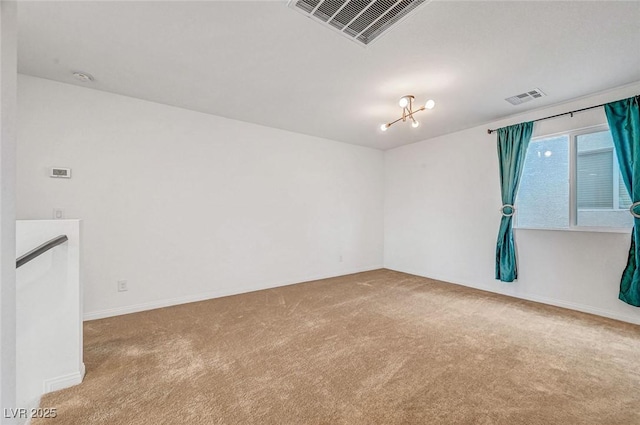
(378, 347)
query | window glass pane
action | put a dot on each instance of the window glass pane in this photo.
(602, 199)
(595, 179)
(543, 196)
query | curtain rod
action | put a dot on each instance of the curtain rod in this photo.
(489, 131)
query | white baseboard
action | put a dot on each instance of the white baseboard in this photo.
(101, 314)
(54, 384)
(64, 381)
(529, 297)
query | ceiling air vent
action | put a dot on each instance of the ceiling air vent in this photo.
(359, 20)
(525, 97)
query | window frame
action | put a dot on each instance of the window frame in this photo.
(572, 135)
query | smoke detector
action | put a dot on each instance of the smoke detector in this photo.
(83, 76)
(525, 97)
(361, 21)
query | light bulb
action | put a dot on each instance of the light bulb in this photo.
(384, 127)
(430, 104)
(403, 102)
(415, 124)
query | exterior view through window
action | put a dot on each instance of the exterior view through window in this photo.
(572, 180)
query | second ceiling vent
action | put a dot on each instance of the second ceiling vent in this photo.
(360, 20)
(525, 97)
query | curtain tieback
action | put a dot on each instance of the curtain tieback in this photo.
(512, 210)
(632, 209)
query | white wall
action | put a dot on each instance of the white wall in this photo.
(187, 206)
(49, 311)
(8, 67)
(441, 220)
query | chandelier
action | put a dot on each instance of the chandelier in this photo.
(406, 103)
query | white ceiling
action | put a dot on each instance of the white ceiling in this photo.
(265, 63)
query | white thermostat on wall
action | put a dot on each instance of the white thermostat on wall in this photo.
(64, 173)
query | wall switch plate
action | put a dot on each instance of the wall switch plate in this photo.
(58, 213)
(122, 286)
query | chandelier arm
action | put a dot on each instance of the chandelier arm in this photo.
(416, 111)
(393, 122)
(405, 116)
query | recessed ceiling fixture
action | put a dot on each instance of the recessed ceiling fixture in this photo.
(359, 20)
(406, 103)
(83, 76)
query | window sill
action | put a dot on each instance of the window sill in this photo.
(626, 230)
(603, 210)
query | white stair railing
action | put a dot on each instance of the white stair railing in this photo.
(49, 308)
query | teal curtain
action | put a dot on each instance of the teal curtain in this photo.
(512, 149)
(624, 123)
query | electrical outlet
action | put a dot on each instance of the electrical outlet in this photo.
(340, 258)
(122, 286)
(58, 213)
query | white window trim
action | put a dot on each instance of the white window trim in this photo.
(616, 183)
(578, 229)
(604, 209)
(573, 192)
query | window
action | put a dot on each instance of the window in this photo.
(572, 181)
(602, 198)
